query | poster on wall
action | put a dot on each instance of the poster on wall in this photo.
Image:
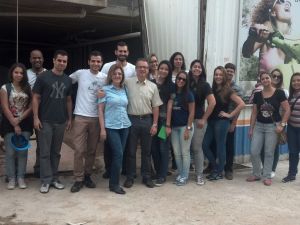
(269, 39)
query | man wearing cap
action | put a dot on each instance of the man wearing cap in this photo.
(37, 60)
(52, 110)
(143, 110)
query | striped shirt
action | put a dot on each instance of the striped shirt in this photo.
(294, 119)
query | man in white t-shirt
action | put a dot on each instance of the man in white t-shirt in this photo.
(86, 126)
(37, 60)
(121, 53)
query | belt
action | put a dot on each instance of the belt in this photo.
(141, 117)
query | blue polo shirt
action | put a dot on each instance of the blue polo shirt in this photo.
(115, 114)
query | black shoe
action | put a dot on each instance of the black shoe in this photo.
(288, 178)
(160, 181)
(148, 182)
(76, 186)
(214, 176)
(128, 183)
(105, 175)
(228, 175)
(118, 190)
(207, 170)
(192, 168)
(88, 182)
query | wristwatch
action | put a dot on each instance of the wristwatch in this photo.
(189, 128)
(282, 124)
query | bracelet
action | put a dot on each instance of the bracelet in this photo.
(168, 126)
(154, 125)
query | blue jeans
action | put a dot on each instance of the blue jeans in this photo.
(216, 129)
(293, 134)
(117, 139)
(181, 149)
(11, 155)
(264, 135)
(50, 138)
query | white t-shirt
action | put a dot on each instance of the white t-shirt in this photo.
(88, 86)
(129, 69)
(32, 77)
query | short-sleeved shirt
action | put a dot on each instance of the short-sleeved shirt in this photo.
(239, 93)
(129, 69)
(269, 107)
(165, 90)
(200, 90)
(294, 119)
(88, 86)
(142, 96)
(32, 77)
(180, 109)
(222, 104)
(53, 90)
(115, 114)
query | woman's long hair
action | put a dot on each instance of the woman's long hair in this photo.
(169, 77)
(183, 67)
(224, 89)
(111, 71)
(202, 76)
(280, 84)
(291, 89)
(185, 89)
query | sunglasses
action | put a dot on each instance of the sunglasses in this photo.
(280, 2)
(278, 77)
(181, 79)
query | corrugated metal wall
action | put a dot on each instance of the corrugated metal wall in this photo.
(173, 25)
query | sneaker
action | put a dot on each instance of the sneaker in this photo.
(228, 175)
(149, 183)
(44, 188)
(200, 180)
(177, 179)
(159, 182)
(21, 183)
(56, 184)
(252, 178)
(128, 183)
(11, 183)
(181, 182)
(288, 178)
(268, 182)
(272, 174)
(88, 182)
(214, 176)
(76, 186)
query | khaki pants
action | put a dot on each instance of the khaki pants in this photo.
(86, 133)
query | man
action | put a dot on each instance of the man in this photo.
(143, 110)
(230, 69)
(121, 53)
(52, 112)
(37, 60)
(86, 126)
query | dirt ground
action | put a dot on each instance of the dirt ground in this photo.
(216, 203)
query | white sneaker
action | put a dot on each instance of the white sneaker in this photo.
(200, 180)
(273, 174)
(21, 183)
(44, 188)
(11, 184)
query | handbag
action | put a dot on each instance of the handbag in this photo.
(282, 136)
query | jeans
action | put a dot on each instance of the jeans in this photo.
(36, 166)
(160, 154)
(181, 149)
(276, 157)
(50, 138)
(196, 147)
(140, 130)
(216, 130)
(117, 139)
(86, 136)
(264, 135)
(293, 134)
(11, 155)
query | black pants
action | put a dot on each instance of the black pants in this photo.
(229, 151)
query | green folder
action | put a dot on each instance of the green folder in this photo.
(162, 133)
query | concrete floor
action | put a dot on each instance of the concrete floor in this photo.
(216, 203)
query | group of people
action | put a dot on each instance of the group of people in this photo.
(158, 105)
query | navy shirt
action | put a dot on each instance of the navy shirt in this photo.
(180, 110)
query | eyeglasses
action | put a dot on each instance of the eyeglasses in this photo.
(142, 67)
(180, 79)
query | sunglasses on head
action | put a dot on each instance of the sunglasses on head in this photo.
(181, 79)
(280, 2)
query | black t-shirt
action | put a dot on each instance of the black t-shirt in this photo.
(200, 90)
(221, 105)
(269, 107)
(53, 90)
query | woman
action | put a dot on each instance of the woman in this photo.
(17, 119)
(293, 128)
(265, 123)
(178, 64)
(160, 147)
(114, 122)
(201, 91)
(181, 110)
(219, 122)
(153, 66)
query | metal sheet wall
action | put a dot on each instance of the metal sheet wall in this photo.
(173, 25)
